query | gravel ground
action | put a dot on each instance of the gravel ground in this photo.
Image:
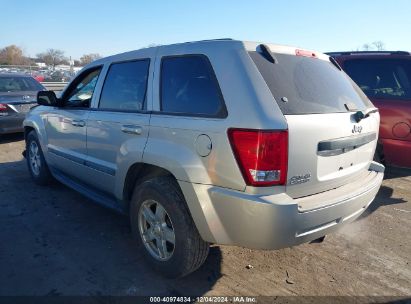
(53, 241)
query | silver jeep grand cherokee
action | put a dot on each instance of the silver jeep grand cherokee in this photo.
(220, 141)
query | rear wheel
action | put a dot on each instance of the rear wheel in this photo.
(35, 160)
(164, 229)
(156, 230)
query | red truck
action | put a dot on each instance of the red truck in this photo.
(385, 77)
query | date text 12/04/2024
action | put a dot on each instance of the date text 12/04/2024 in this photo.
(203, 299)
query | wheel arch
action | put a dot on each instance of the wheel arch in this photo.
(140, 172)
(36, 124)
(27, 130)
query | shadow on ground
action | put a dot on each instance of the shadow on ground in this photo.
(61, 243)
(396, 172)
(383, 198)
(9, 138)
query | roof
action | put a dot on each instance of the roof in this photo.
(13, 75)
(193, 46)
(369, 53)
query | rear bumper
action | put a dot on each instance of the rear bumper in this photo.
(11, 123)
(276, 221)
(397, 152)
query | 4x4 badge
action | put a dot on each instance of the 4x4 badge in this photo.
(300, 179)
(356, 129)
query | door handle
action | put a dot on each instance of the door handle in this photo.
(130, 129)
(78, 123)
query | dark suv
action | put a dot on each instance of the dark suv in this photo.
(385, 77)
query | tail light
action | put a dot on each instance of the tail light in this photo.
(3, 109)
(261, 155)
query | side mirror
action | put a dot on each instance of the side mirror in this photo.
(47, 98)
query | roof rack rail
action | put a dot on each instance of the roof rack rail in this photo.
(368, 53)
(215, 39)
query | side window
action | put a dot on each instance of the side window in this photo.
(189, 86)
(125, 86)
(83, 88)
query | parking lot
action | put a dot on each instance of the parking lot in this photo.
(56, 242)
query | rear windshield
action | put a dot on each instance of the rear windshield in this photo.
(19, 84)
(304, 85)
(381, 78)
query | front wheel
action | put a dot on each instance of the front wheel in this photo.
(35, 160)
(164, 229)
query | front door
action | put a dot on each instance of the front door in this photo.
(66, 125)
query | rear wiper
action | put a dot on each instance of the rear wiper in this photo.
(360, 115)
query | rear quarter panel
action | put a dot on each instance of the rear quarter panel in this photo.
(172, 140)
(395, 131)
(395, 120)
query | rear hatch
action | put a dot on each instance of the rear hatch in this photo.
(329, 145)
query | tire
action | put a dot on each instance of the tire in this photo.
(379, 154)
(36, 163)
(189, 250)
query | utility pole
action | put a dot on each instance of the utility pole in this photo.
(71, 66)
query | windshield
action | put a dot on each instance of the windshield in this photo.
(381, 78)
(18, 84)
(305, 85)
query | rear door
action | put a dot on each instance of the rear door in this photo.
(188, 121)
(327, 146)
(118, 126)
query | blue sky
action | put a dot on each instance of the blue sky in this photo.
(110, 27)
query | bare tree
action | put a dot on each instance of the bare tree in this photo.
(13, 55)
(77, 63)
(152, 45)
(380, 46)
(366, 47)
(376, 45)
(52, 57)
(87, 58)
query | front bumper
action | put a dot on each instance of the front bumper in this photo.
(12, 123)
(276, 221)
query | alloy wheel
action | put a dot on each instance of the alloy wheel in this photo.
(34, 158)
(156, 230)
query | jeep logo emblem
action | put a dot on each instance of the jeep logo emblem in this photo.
(356, 129)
